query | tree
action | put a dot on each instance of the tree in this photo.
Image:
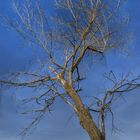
(78, 28)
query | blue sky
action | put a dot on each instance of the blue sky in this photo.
(16, 56)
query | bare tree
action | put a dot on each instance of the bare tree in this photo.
(77, 27)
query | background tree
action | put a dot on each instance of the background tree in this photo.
(74, 29)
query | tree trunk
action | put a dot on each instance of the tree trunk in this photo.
(88, 124)
(102, 125)
(83, 114)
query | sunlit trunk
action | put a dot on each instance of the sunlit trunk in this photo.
(83, 114)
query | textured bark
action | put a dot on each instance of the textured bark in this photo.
(102, 125)
(88, 124)
(83, 114)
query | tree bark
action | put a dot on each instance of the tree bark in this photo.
(102, 125)
(83, 114)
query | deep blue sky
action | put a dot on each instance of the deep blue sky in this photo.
(15, 55)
